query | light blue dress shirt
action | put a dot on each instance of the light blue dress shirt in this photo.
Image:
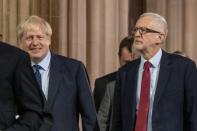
(154, 72)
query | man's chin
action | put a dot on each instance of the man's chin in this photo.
(35, 55)
(36, 60)
(138, 47)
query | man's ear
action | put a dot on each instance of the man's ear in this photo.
(160, 38)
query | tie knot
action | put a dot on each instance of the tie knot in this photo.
(37, 67)
(147, 65)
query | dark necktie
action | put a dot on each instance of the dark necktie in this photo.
(142, 114)
(37, 74)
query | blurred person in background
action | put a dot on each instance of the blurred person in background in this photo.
(178, 52)
(125, 55)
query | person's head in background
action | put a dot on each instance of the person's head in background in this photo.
(34, 35)
(1, 37)
(181, 53)
(125, 50)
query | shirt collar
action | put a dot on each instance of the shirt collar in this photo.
(44, 63)
(155, 60)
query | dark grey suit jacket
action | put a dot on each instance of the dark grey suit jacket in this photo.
(100, 87)
(175, 102)
(105, 110)
(19, 92)
(69, 94)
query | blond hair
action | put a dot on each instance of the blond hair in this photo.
(32, 23)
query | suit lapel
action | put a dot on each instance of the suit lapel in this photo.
(164, 72)
(54, 80)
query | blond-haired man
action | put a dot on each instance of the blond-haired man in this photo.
(64, 81)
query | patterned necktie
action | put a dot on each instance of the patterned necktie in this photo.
(142, 114)
(37, 74)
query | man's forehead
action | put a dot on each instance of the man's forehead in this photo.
(149, 22)
(146, 21)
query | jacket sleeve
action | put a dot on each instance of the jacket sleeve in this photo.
(190, 111)
(85, 100)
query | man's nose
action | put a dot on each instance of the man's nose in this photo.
(35, 40)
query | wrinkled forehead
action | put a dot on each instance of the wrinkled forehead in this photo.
(150, 22)
(145, 22)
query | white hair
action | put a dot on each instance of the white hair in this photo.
(158, 18)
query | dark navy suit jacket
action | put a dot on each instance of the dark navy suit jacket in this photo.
(19, 92)
(69, 94)
(175, 102)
